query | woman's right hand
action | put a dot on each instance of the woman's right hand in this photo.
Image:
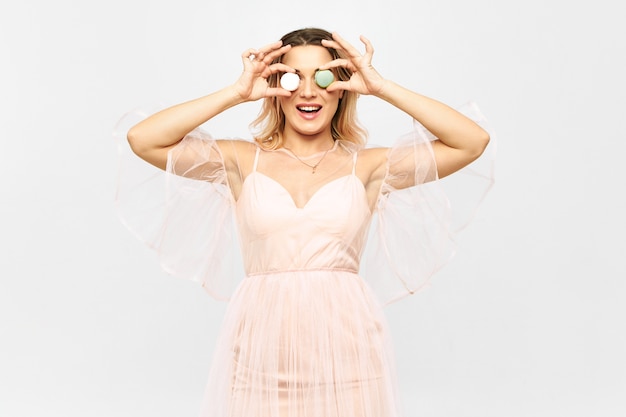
(257, 68)
(152, 138)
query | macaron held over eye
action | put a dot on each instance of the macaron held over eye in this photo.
(324, 78)
(291, 81)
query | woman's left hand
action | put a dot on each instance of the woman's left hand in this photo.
(365, 79)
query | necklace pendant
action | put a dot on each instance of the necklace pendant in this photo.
(313, 167)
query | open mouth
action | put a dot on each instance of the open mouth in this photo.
(309, 109)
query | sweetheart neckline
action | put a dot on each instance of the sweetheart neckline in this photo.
(293, 202)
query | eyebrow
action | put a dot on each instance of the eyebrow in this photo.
(300, 72)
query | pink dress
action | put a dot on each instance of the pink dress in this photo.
(304, 334)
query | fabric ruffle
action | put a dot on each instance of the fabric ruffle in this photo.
(189, 223)
(414, 228)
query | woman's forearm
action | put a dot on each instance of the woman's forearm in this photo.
(451, 127)
(166, 128)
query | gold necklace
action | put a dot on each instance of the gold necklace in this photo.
(313, 167)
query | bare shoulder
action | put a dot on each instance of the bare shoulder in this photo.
(238, 156)
(374, 154)
(372, 163)
(236, 152)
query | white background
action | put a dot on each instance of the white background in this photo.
(528, 320)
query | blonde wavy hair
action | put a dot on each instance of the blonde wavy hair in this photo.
(270, 123)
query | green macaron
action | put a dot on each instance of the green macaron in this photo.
(324, 78)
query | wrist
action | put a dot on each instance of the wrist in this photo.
(385, 90)
(234, 95)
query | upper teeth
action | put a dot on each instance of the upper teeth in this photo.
(309, 108)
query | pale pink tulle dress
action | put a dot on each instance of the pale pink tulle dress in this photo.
(304, 334)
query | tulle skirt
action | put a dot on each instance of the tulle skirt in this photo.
(302, 344)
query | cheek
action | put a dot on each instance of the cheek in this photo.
(283, 103)
(335, 102)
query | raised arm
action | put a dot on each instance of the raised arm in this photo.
(461, 140)
(152, 138)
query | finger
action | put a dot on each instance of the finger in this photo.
(271, 56)
(261, 54)
(271, 47)
(339, 63)
(369, 49)
(280, 67)
(331, 44)
(339, 85)
(346, 46)
(276, 68)
(249, 53)
(366, 42)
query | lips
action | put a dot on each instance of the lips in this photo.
(309, 108)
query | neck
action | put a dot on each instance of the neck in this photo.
(305, 146)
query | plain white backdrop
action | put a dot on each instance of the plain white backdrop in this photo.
(528, 320)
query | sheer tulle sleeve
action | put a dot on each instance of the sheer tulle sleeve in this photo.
(157, 207)
(417, 217)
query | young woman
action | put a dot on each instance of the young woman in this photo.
(304, 334)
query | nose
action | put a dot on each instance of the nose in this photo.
(308, 88)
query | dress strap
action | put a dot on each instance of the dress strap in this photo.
(256, 159)
(354, 157)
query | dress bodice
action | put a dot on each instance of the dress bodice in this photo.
(328, 232)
